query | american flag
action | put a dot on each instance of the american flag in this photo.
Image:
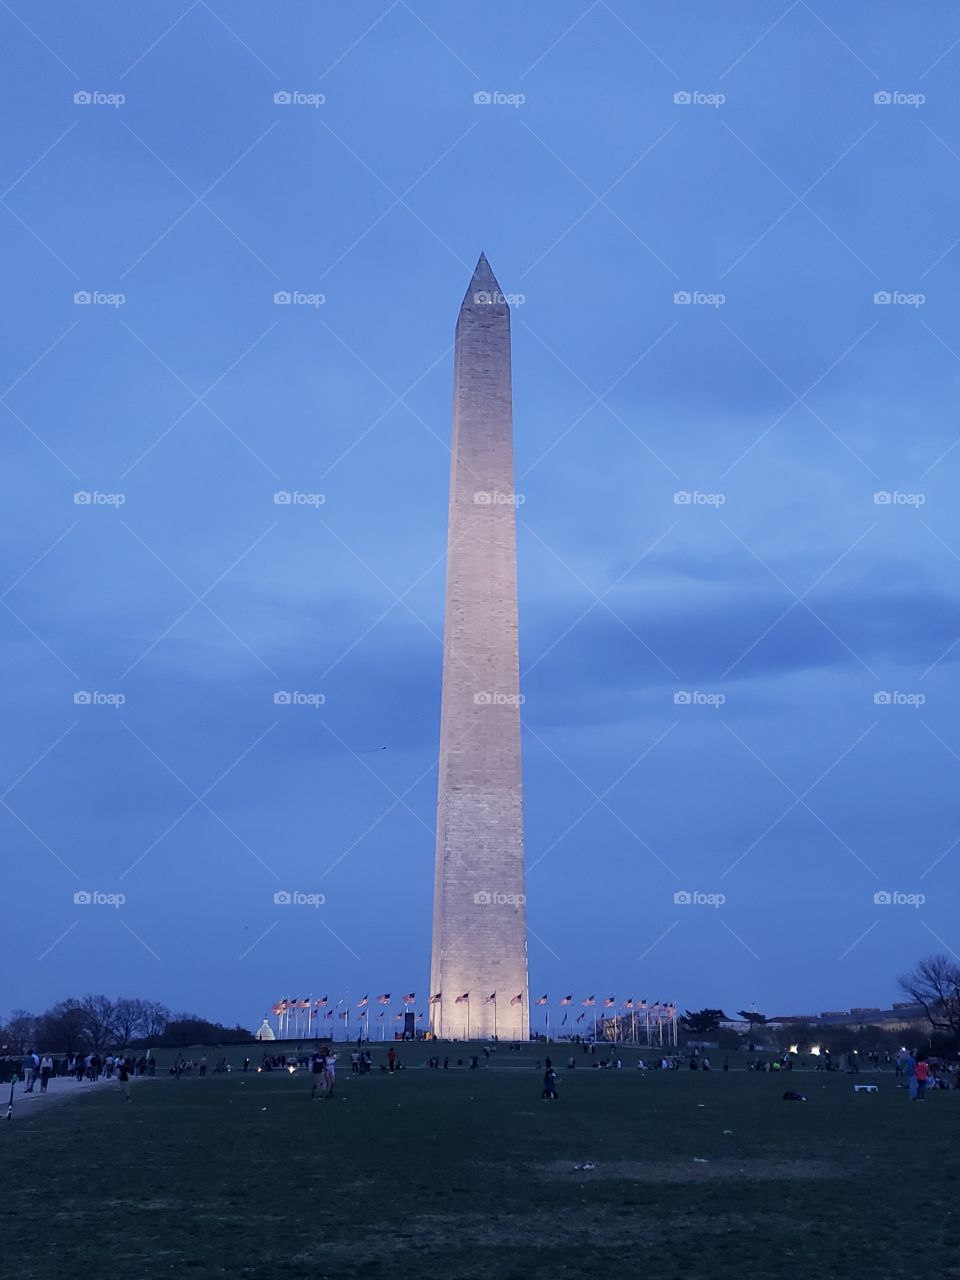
(567, 1000)
(609, 1002)
(542, 1000)
(517, 999)
(328, 1014)
(304, 1004)
(628, 1004)
(321, 1002)
(581, 1017)
(435, 999)
(279, 1006)
(384, 999)
(590, 1000)
(345, 1015)
(641, 1004)
(410, 998)
(462, 999)
(362, 1004)
(491, 998)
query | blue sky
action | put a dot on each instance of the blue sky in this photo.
(782, 198)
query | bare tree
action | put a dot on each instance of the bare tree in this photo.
(62, 1027)
(99, 1013)
(129, 1020)
(156, 1017)
(935, 984)
(19, 1031)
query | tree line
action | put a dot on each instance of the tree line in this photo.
(933, 984)
(96, 1023)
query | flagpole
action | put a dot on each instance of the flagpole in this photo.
(495, 1036)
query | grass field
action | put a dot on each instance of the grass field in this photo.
(469, 1174)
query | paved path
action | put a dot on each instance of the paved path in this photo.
(25, 1104)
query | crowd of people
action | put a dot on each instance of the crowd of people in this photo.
(36, 1070)
(915, 1071)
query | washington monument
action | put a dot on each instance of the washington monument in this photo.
(479, 968)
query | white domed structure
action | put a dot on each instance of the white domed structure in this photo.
(266, 1032)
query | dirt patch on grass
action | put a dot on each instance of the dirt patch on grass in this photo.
(691, 1171)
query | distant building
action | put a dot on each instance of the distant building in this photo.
(903, 1016)
(265, 1032)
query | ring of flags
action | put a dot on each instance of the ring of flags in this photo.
(297, 1006)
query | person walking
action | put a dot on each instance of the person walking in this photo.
(123, 1076)
(391, 1058)
(550, 1085)
(46, 1071)
(29, 1068)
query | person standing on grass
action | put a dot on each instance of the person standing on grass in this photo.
(391, 1058)
(329, 1073)
(921, 1074)
(550, 1085)
(29, 1069)
(123, 1076)
(46, 1071)
(316, 1070)
(203, 1066)
(910, 1070)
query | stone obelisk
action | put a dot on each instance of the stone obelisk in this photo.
(479, 912)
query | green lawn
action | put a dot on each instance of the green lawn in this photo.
(469, 1174)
